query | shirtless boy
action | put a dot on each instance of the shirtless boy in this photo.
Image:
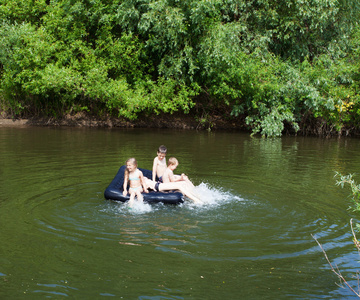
(159, 165)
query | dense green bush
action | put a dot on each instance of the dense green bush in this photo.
(276, 64)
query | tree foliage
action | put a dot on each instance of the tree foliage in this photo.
(277, 64)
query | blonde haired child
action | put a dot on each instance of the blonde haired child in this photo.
(169, 173)
(135, 178)
(184, 185)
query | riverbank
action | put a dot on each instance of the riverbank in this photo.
(175, 121)
(13, 123)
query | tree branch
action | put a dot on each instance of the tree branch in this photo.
(337, 271)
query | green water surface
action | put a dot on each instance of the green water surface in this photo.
(251, 239)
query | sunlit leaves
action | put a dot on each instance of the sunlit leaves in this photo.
(272, 63)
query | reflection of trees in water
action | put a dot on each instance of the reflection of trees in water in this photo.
(294, 161)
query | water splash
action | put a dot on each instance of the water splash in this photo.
(209, 195)
(138, 207)
(213, 196)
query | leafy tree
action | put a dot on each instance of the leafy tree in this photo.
(276, 64)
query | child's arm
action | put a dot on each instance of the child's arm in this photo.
(181, 177)
(154, 169)
(172, 177)
(143, 182)
(125, 185)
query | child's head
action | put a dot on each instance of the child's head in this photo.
(161, 153)
(173, 162)
(131, 163)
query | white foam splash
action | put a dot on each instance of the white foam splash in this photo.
(138, 207)
(212, 196)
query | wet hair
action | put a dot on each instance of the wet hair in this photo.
(162, 149)
(130, 160)
(172, 161)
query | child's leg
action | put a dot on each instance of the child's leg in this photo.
(132, 198)
(150, 183)
(139, 196)
(187, 192)
(189, 183)
(182, 187)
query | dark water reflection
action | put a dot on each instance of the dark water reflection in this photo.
(250, 240)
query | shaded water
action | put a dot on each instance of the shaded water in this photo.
(250, 240)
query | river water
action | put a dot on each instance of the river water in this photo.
(251, 239)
